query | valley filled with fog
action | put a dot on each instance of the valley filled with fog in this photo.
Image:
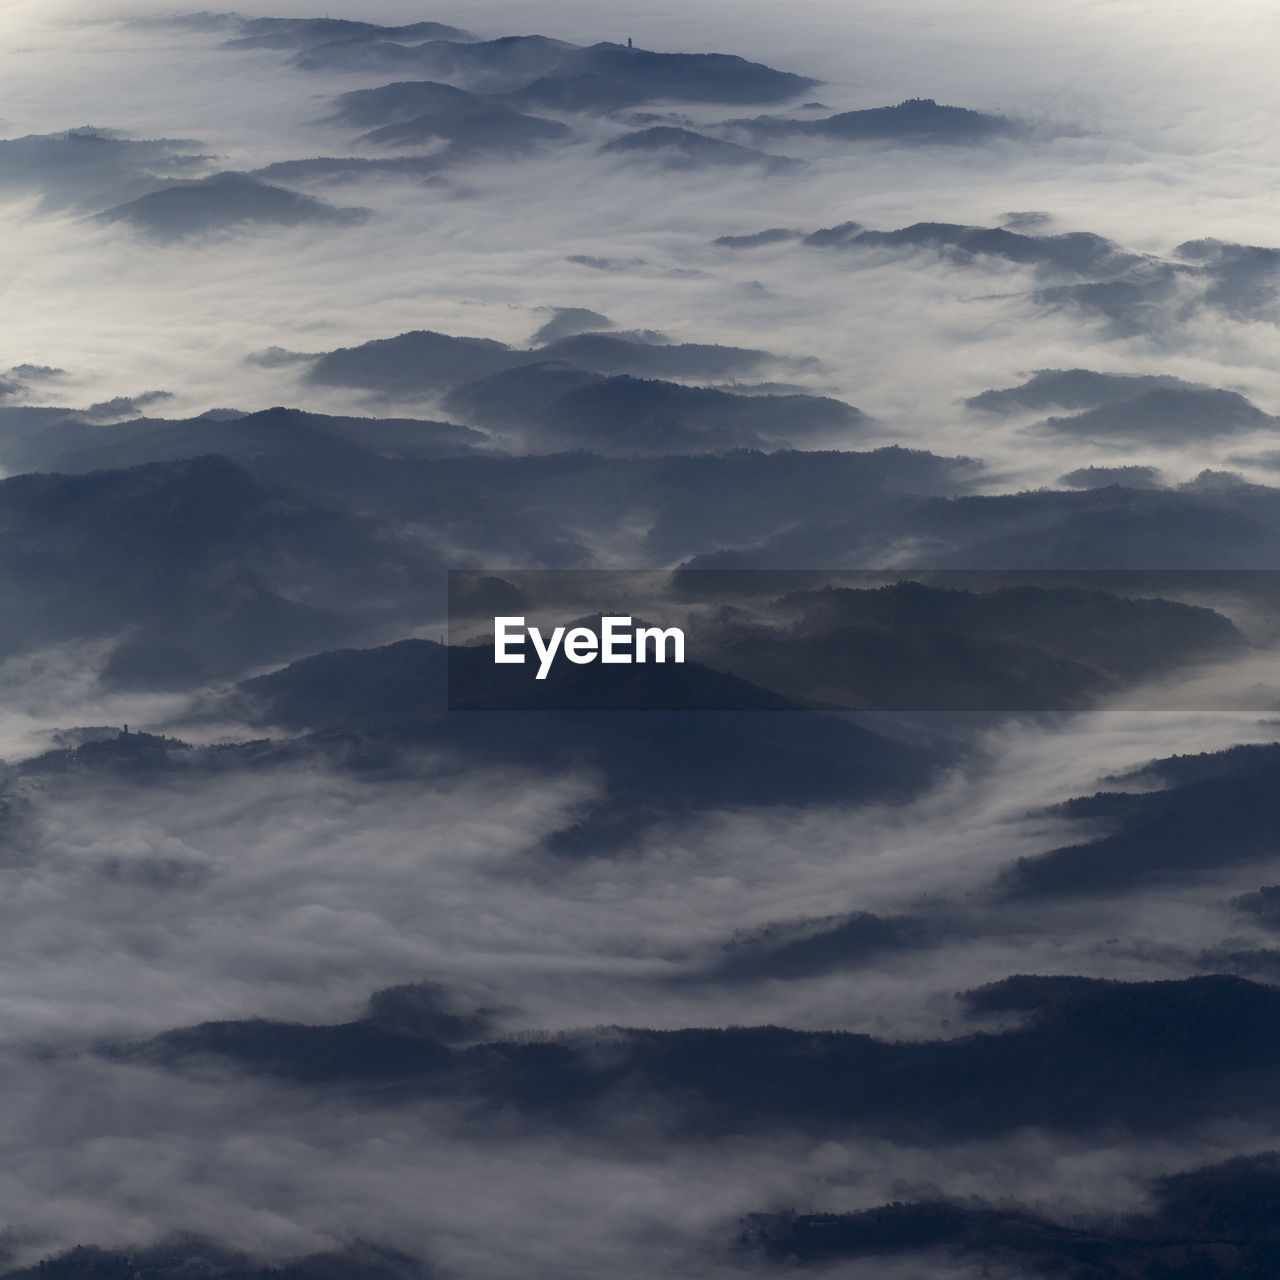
(920, 362)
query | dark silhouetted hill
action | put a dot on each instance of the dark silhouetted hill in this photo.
(912, 647)
(424, 360)
(90, 168)
(1222, 814)
(1074, 389)
(1077, 253)
(199, 562)
(1131, 636)
(222, 201)
(186, 1257)
(486, 128)
(773, 235)
(684, 149)
(538, 73)
(410, 113)
(606, 77)
(884, 669)
(1127, 477)
(1165, 415)
(1243, 279)
(1263, 906)
(1211, 527)
(558, 406)
(803, 948)
(405, 100)
(663, 738)
(353, 169)
(419, 361)
(334, 452)
(566, 321)
(917, 120)
(1144, 1057)
(502, 64)
(301, 33)
(610, 353)
(1213, 1223)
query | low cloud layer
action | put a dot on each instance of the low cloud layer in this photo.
(303, 312)
(455, 281)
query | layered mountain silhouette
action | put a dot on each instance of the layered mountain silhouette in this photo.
(676, 148)
(424, 360)
(610, 353)
(558, 405)
(226, 200)
(1240, 281)
(89, 167)
(666, 739)
(1244, 279)
(412, 113)
(917, 120)
(1133, 476)
(1113, 527)
(541, 73)
(322, 791)
(1213, 811)
(429, 475)
(502, 64)
(295, 33)
(407, 100)
(1165, 415)
(1093, 1055)
(486, 129)
(917, 647)
(797, 949)
(609, 76)
(187, 1254)
(319, 448)
(1076, 253)
(757, 239)
(1214, 1221)
(354, 169)
(197, 564)
(417, 361)
(566, 321)
(1074, 389)
(1130, 293)
(1263, 905)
